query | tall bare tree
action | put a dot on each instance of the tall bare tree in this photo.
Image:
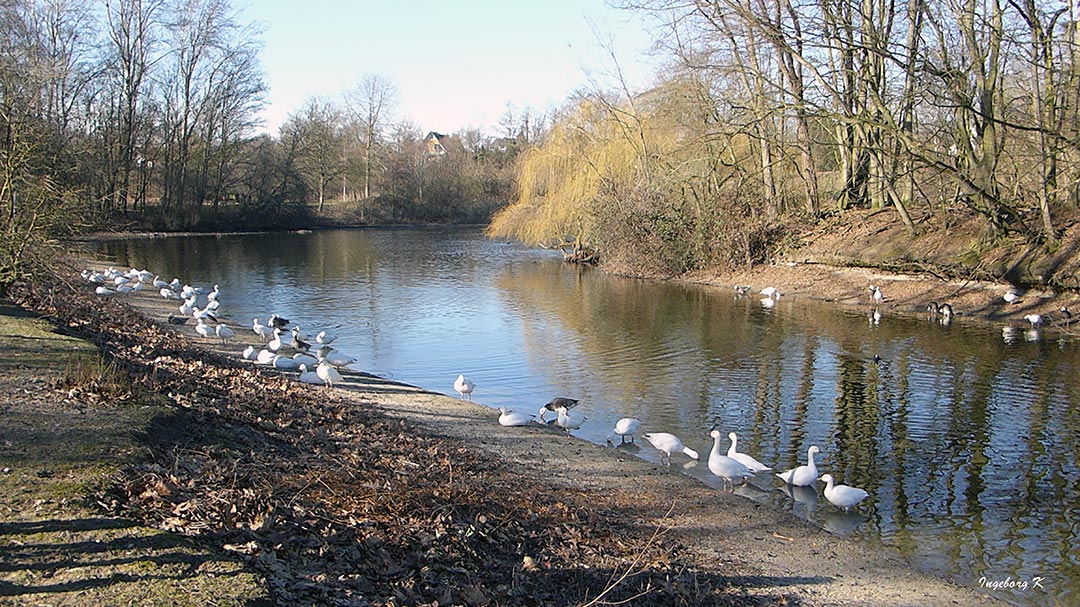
(371, 104)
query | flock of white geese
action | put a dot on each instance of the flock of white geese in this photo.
(285, 346)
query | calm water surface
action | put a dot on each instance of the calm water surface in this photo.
(967, 442)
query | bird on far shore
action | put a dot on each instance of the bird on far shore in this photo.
(464, 386)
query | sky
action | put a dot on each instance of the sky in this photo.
(455, 64)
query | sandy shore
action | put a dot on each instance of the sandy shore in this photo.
(754, 545)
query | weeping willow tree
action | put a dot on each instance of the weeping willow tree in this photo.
(656, 183)
(595, 149)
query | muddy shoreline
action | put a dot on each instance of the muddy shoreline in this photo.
(762, 551)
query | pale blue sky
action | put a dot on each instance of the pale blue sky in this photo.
(455, 64)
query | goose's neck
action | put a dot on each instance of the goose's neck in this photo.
(732, 449)
(716, 446)
(810, 458)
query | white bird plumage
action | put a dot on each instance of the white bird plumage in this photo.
(843, 496)
(328, 374)
(513, 418)
(627, 426)
(464, 387)
(743, 458)
(569, 420)
(203, 329)
(667, 443)
(309, 377)
(225, 333)
(325, 338)
(802, 476)
(262, 330)
(727, 468)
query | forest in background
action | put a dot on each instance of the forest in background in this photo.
(769, 117)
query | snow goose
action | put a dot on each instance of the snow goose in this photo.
(843, 496)
(275, 344)
(262, 330)
(284, 362)
(464, 386)
(213, 295)
(802, 476)
(1011, 297)
(553, 405)
(1036, 320)
(627, 426)
(298, 341)
(568, 420)
(104, 291)
(187, 308)
(309, 377)
(876, 296)
(727, 468)
(168, 293)
(249, 353)
(265, 357)
(513, 418)
(202, 328)
(328, 374)
(225, 333)
(306, 359)
(742, 458)
(667, 444)
(338, 359)
(277, 322)
(324, 338)
(160, 284)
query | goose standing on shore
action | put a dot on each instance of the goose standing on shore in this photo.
(309, 377)
(263, 331)
(464, 387)
(328, 374)
(627, 426)
(225, 333)
(568, 420)
(727, 468)
(667, 443)
(802, 476)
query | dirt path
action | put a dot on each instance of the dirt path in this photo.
(756, 547)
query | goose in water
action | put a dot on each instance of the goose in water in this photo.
(876, 296)
(464, 387)
(1036, 320)
(513, 418)
(225, 333)
(553, 405)
(742, 458)
(842, 495)
(802, 476)
(627, 426)
(328, 374)
(309, 377)
(568, 420)
(667, 444)
(727, 468)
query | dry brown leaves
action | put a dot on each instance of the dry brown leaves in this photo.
(338, 505)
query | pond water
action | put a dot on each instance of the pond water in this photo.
(967, 441)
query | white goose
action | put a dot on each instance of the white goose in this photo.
(742, 458)
(265, 357)
(281, 361)
(306, 359)
(324, 338)
(464, 386)
(627, 426)
(249, 353)
(552, 406)
(328, 374)
(667, 444)
(275, 344)
(225, 333)
(802, 476)
(203, 329)
(568, 420)
(513, 418)
(727, 468)
(262, 330)
(843, 496)
(309, 377)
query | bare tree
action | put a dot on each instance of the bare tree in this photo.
(371, 104)
(317, 129)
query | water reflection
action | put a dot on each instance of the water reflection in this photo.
(966, 438)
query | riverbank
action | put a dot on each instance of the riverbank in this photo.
(401, 496)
